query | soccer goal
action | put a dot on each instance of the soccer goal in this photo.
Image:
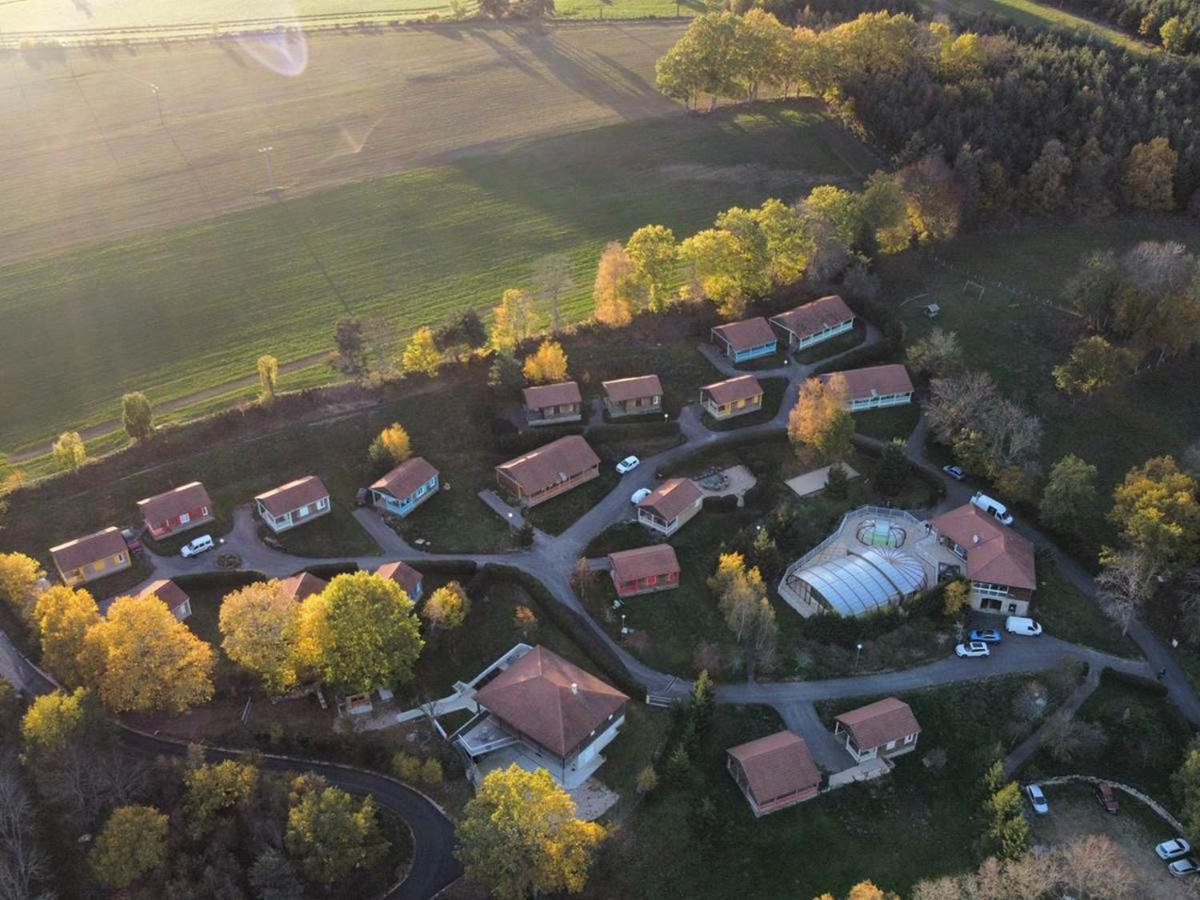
(973, 287)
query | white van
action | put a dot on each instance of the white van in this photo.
(992, 508)
(196, 546)
(1022, 625)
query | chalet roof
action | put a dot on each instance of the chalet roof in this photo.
(632, 565)
(875, 380)
(551, 464)
(167, 591)
(550, 700)
(672, 497)
(302, 585)
(995, 553)
(82, 551)
(403, 480)
(815, 316)
(744, 387)
(170, 504)
(878, 723)
(291, 496)
(544, 395)
(622, 389)
(747, 333)
(776, 765)
(403, 574)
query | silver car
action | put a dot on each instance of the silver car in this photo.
(1037, 798)
(1173, 849)
(1182, 867)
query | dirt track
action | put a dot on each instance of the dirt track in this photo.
(84, 155)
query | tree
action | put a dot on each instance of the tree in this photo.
(1185, 783)
(361, 633)
(447, 607)
(260, 630)
(497, 9)
(937, 355)
(1094, 364)
(1069, 498)
(525, 620)
(19, 579)
(213, 788)
(819, 421)
(652, 257)
(647, 780)
(23, 863)
(552, 278)
(392, 446)
(1009, 830)
(422, 354)
(704, 700)
(131, 845)
(988, 432)
(1148, 177)
(842, 211)
(273, 877)
(1157, 509)
(893, 468)
(1125, 582)
(126, 654)
(615, 290)
(53, 720)
(329, 833)
(837, 482)
(1094, 289)
(512, 321)
(1174, 35)
(69, 452)
(466, 329)
(63, 616)
(547, 364)
(350, 357)
(519, 835)
(933, 199)
(739, 591)
(505, 372)
(703, 61)
(137, 416)
(884, 213)
(1045, 184)
(268, 376)
(956, 597)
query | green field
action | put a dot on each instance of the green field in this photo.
(199, 303)
(1038, 15)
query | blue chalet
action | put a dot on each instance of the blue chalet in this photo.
(406, 487)
(745, 340)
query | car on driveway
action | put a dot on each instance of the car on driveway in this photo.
(1182, 867)
(196, 546)
(1173, 849)
(955, 472)
(973, 649)
(1037, 798)
(1108, 799)
(987, 635)
(132, 541)
(1022, 625)
(640, 495)
(628, 464)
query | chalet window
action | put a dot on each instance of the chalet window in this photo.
(909, 738)
(323, 503)
(184, 518)
(203, 511)
(302, 512)
(891, 745)
(120, 557)
(672, 576)
(651, 579)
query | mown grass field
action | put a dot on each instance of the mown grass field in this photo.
(1039, 15)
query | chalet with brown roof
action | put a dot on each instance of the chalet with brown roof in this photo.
(638, 396)
(176, 510)
(404, 575)
(553, 404)
(294, 503)
(548, 471)
(882, 729)
(406, 487)
(875, 387)
(813, 323)
(644, 570)
(88, 558)
(999, 562)
(733, 397)
(302, 585)
(745, 340)
(774, 772)
(543, 712)
(670, 506)
(166, 590)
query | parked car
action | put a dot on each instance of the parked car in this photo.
(987, 635)
(973, 649)
(640, 495)
(196, 546)
(993, 508)
(131, 539)
(1037, 798)
(1182, 867)
(1173, 849)
(1022, 625)
(955, 472)
(1108, 799)
(628, 464)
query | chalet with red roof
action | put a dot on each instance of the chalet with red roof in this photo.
(638, 396)
(166, 590)
(732, 397)
(302, 585)
(745, 340)
(882, 729)
(406, 487)
(88, 558)
(644, 570)
(813, 323)
(875, 387)
(404, 575)
(294, 503)
(553, 404)
(999, 562)
(176, 510)
(548, 471)
(670, 506)
(774, 772)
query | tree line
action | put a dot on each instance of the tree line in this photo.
(1172, 24)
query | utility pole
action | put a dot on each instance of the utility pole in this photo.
(266, 151)
(158, 105)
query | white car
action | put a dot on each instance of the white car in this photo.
(640, 495)
(196, 546)
(1173, 849)
(973, 649)
(628, 464)
(1182, 867)
(1022, 625)
(1037, 798)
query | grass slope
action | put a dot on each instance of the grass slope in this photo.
(200, 303)
(1039, 15)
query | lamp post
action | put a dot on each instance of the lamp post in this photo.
(158, 105)
(266, 152)
(857, 655)
(624, 630)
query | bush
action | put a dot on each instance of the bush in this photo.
(727, 503)
(1139, 683)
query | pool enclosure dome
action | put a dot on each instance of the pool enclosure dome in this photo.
(860, 583)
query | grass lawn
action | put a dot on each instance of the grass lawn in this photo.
(1039, 15)
(557, 515)
(337, 533)
(835, 345)
(886, 424)
(417, 247)
(1066, 613)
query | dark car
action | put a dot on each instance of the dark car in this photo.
(1108, 799)
(132, 541)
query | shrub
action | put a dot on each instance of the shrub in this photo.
(1137, 682)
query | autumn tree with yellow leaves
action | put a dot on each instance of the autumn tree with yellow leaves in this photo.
(513, 320)
(52, 722)
(446, 608)
(819, 422)
(260, 629)
(615, 291)
(329, 833)
(547, 364)
(653, 255)
(19, 577)
(391, 446)
(131, 845)
(421, 355)
(520, 836)
(64, 616)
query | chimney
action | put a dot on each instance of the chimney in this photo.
(974, 539)
(574, 688)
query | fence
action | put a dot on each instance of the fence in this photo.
(1131, 791)
(1012, 289)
